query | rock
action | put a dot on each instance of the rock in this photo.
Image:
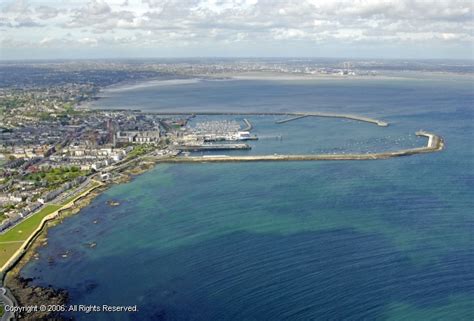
(37, 295)
(113, 203)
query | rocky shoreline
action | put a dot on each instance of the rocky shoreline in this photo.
(37, 296)
(27, 294)
(21, 288)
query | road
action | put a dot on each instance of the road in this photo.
(76, 190)
(5, 300)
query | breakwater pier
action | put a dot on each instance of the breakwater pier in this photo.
(295, 115)
(435, 143)
(290, 119)
(214, 147)
(248, 126)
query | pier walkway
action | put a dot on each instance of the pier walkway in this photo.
(296, 114)
(435, 143)
(248, 125)
(290, 119)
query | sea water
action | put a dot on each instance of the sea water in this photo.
(347, 240)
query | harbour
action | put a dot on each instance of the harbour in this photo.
(296, 115)
(214, 147)
(435, 143)
(321, 207)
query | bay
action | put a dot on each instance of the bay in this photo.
(350, 240)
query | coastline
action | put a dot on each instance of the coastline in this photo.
(27, 294)
(383, 75)
(125, 86)
(181, 79)
(21, 289)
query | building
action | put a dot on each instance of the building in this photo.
(138, 137)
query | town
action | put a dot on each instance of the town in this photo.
(50, 159)
(53, 148)
(57, 152)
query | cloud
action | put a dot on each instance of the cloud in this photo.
(46, 12)
(17, 7)
(224, 22)
(68, 41)
(26, 22)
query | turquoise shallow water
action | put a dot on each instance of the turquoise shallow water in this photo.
(370, 240)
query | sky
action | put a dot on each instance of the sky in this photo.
(70, 29)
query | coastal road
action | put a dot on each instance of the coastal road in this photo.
(76, 190)
(5, 300)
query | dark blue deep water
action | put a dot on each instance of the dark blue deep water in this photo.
(353, 240)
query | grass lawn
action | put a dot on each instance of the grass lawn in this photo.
(2, 310)
(11, 240)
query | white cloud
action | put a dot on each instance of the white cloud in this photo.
(46, 12)
(283, 34)
(177, 22)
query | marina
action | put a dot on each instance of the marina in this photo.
(214, 131)
(329, 196)
(435, 143)
(296, 114)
